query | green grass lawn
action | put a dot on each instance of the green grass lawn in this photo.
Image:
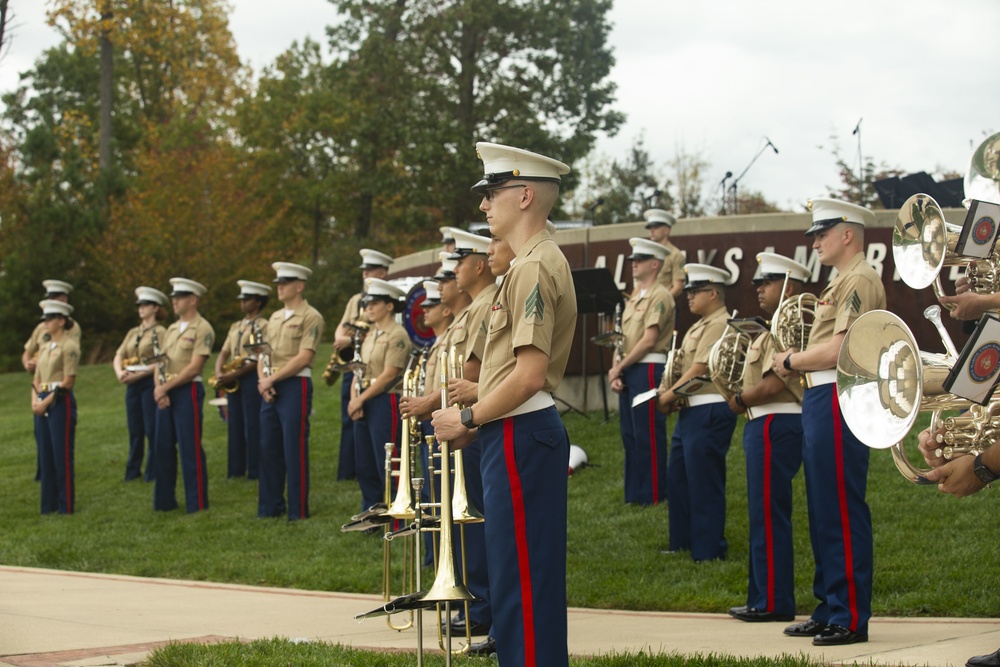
(932, 553)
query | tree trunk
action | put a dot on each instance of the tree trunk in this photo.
(107, 96)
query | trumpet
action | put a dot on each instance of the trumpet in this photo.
(884, 381)
(262, 349)
(228, 367)
(160, 359)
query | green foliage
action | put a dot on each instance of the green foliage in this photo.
(625, 185)
(859, 187)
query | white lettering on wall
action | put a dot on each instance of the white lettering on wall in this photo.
(706, 257)
(876, 253)
(732, 255)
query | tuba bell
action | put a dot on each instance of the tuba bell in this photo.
(884, 381)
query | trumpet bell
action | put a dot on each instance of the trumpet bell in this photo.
(921, 240)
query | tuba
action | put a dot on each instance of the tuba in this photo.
(923, 244)
(884, 381)
(727, 361)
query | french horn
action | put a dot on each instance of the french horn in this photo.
(727, 361)
(793, 320)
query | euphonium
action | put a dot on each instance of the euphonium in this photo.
(884, 381)
(727, 361)
(228, 367)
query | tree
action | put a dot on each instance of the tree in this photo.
(625, 186)
(437, 77)
(854, 189)
(687, 184)
(5, 16)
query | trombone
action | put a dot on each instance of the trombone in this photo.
(445, 588)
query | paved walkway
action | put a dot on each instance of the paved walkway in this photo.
(51, 617)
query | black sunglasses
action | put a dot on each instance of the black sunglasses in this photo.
(489, 191)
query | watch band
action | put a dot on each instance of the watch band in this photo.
(787, 363)
(985, 475)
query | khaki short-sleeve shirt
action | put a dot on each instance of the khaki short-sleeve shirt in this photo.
(673, 266)
(389, 347)
(301, 330)
(758, 362)
(180, 347)
(241, 334)
(654, 307)
(703, 334)
(478, 320)
(37, 338)
(536, 306)
(57, 361)
(854, 291)
(138, 342)
(353, 310)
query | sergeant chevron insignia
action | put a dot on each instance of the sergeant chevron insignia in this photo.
(534, 306)
(854, 303)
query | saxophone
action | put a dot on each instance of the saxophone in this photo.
(233, 364)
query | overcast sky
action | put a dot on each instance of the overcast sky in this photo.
(716, 77)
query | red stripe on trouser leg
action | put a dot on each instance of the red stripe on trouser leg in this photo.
(521, 540)
(651, 407)
(845, 519)
(197, 446)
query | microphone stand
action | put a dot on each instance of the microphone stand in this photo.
(736, 181)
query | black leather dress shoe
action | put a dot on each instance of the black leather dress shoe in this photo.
(836, 635)
(458, 628)
(808, 628)
(485, 648)
(751, 615)
(991, 660)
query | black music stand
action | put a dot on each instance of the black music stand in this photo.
(596, 292)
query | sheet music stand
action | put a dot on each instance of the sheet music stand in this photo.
(596, 292)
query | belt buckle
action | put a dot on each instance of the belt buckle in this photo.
(803, 383)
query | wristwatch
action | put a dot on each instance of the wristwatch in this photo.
(466, 417)
(787, 363)
(985, 475)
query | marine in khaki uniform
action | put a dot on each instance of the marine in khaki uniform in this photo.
(180, 397)
(834, 460)
(134, 368)
(772, 442)
(55, 290)
(472, 276)
(659, 224)
(285, 383)
(54, 407)
(374, 405)
(648, 326)
(243, 400)
(696, 469)
(374, 264)
(525, 445)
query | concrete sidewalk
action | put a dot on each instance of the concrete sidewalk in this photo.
(50, 617)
